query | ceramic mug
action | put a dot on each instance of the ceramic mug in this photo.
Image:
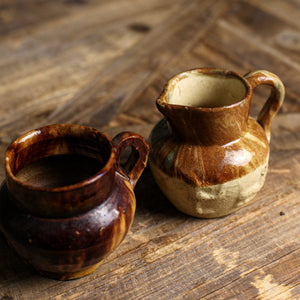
(67, 202)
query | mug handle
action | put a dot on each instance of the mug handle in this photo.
(275, 100)
(127, 138)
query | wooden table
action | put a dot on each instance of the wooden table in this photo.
(103, 64)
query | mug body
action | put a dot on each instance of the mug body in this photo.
(71, 247)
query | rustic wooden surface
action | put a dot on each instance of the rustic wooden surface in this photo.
(102, 64)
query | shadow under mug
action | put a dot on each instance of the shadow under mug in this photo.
(67, 202)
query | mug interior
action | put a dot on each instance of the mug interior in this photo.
(206, 89)
(58, 156)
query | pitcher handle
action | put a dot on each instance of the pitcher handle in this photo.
(275, 100)
(124, 139)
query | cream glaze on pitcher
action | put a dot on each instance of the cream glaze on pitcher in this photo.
(207, 155)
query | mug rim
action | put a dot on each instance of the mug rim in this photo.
(162, 100)
(11, 152)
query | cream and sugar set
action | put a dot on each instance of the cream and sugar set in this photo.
(67, 203)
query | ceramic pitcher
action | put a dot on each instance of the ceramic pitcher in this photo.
(207, 155)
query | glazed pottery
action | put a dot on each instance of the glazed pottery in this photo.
(207, 155)
(66, 202)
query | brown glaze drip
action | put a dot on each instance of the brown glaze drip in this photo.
(210, 165)
(207, 127)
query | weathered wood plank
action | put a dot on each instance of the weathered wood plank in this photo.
(287, 11)
(103, 63)
(71, 59)
(136, 67)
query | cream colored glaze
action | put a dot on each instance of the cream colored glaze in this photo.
(206, 90)
(211, 201)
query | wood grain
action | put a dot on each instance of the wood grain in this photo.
(103, 64)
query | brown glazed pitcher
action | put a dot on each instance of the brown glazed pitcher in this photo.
(66, 202)
(207, 155)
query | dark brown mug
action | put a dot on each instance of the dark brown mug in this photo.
(67, 202)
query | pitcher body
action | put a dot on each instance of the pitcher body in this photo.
(207, 155)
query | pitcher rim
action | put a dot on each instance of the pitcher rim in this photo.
(162, 100)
